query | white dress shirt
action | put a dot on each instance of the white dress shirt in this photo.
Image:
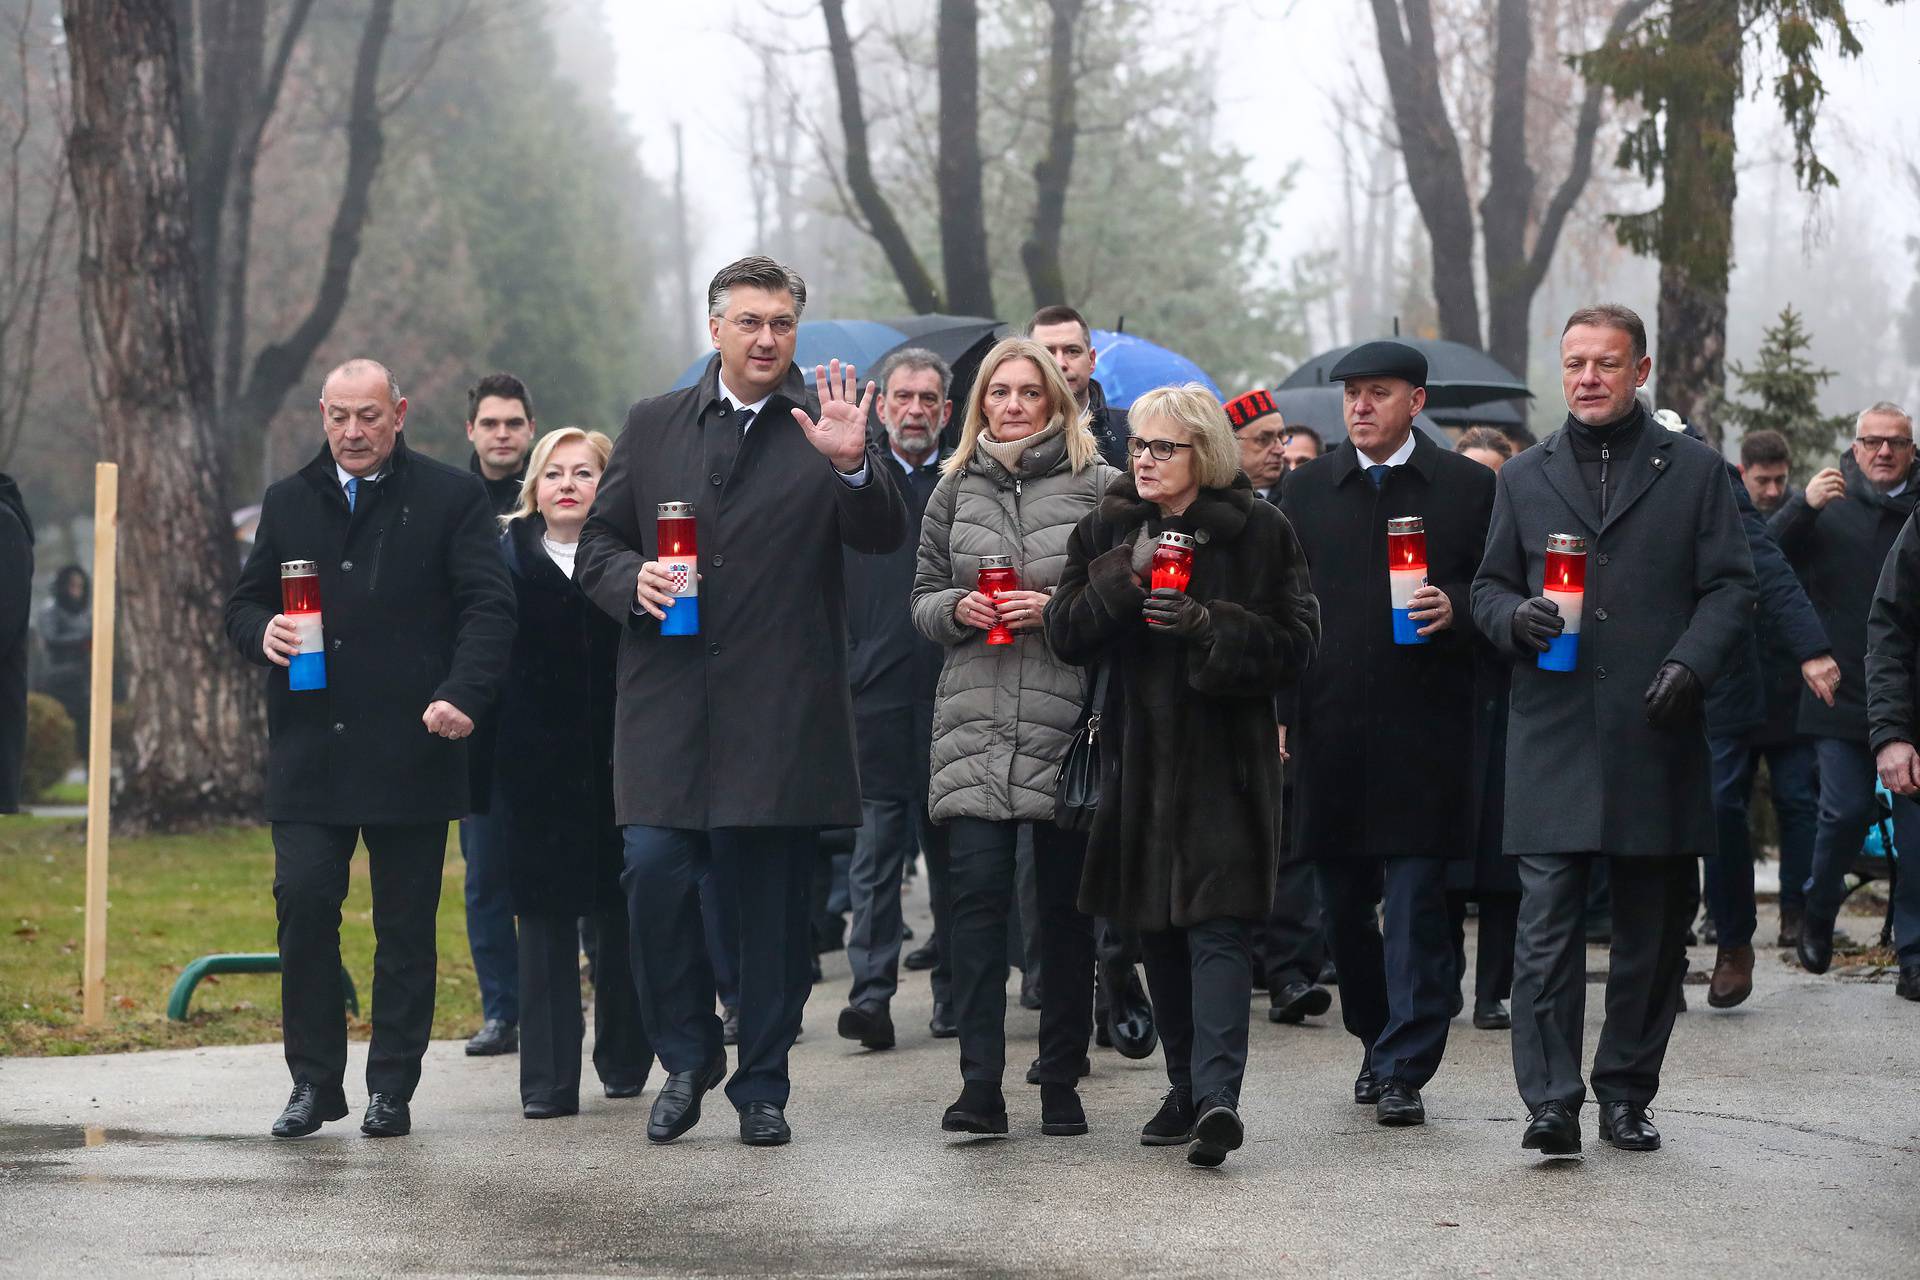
(1398, 458)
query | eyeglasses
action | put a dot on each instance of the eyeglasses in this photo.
(1264, 439)
(750, 325)
(1894, 444)
(1162, 449)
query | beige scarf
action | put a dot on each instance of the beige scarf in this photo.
(1008, 454)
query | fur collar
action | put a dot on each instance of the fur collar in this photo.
(1217, 515)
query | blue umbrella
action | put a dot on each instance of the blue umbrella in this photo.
(861, 342)
(1128, 367)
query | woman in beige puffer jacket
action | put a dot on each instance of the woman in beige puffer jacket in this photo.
(1025, 473)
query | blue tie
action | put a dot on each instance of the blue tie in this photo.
(1377, 473)
(353, 491)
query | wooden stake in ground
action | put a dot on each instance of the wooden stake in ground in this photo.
(106, 525)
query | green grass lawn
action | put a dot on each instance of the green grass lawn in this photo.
(171, 899)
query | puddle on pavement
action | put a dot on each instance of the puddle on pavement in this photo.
(44, 1139)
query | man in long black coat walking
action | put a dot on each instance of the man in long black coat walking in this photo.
(734, 747)
(417, 618)
(1609, 759)
(893, 670)
(1383, 731)
(16, 606)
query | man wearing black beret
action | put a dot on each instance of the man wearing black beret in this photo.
(1382, 723)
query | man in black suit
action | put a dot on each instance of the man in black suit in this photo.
(417, 624)
(1382, 722)
(893, 670)
(1609, 759)
(1290, 945)
(734, 746)
(16, 601)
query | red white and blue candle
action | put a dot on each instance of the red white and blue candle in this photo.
(300, 601)
(1406, 574)
(679, 557)
(1566, 587)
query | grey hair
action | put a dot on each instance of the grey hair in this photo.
(362, 364)
(1882, 409)
(1216, 454)
(914, 360)
(756, 272)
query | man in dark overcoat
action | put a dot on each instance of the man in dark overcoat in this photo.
(1609, 759)
(1385, 794)
(734, 747)
(417, 622)
(893, 670)
(1837, 533)
(16, 607)
(1893, 663)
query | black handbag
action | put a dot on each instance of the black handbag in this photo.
(1076, 789)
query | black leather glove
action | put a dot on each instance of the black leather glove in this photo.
(1175, 613)
(1674, 698)
(1536, 622)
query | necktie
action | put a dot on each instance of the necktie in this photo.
(742, 419)
(353, 491)
(1377, 473)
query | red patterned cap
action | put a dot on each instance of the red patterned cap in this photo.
(1257, 403)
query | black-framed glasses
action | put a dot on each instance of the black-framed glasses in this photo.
(1162, 450)
(1874, 444)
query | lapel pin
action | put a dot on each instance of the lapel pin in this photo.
(1659, 463)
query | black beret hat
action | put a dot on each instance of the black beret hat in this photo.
(1382, 359)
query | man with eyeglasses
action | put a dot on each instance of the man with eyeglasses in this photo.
(733, 747)
(1837, 534)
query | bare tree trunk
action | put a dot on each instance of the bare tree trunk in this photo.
(1053, 172)
(1432, 155)
(1508, 201)
(1696, 222)
(963, 213)
(192, 755)
(279, 365)
(882, 224)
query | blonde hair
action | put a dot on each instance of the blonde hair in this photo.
(1062, 411)
(1216, 454)
(597, 441)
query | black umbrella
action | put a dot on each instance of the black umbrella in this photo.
(1506, 416)
(1321, 408)
(1457, 375)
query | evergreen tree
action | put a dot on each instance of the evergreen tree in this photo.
(1785, 386)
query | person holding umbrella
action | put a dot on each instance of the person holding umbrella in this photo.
(1383, 722)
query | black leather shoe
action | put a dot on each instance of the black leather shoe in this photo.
(871, 1025)
(1061, 1115)
(1366, 1088)
(677, 1109)
(1492, 1016)
(1815, 948)
(387, 1117)
(1297, 1001)
(1908, 987)
(762, 1124)
(1216, 1132)
(980, 1108)
(1625, 1125)
(1554, 1130)
(1172, 1124)
(623, 1090)
(1033, 1070)
(729, 1024)
(924, 956)
(546, 1110)
(941, 1024)
(1400, 1106)
(494, 1038)
(1129, 1013)
(1329, 976)
(309, 1107)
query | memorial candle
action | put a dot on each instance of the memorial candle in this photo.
(300, 601)
(679, 555)
(1566, 587)
(997, 575)
(1406, 574)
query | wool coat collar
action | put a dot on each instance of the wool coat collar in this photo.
(1347, 463)
(1217, 515)
(1651, 458)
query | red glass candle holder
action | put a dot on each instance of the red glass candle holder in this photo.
(996, 576)
(1173, 561)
